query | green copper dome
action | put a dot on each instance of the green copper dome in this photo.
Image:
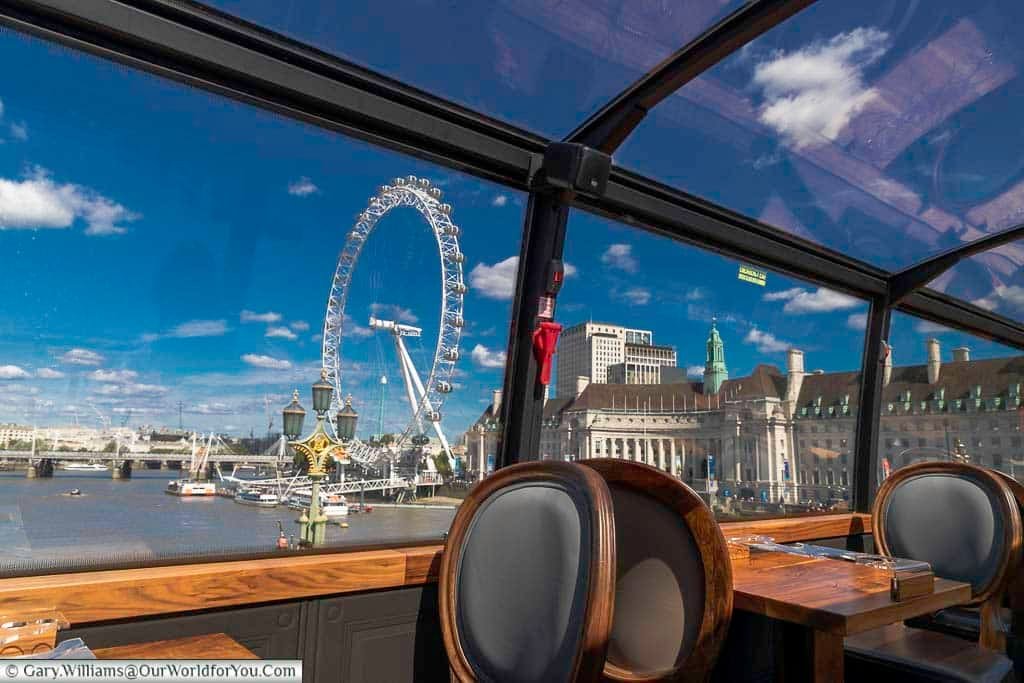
(715, 372)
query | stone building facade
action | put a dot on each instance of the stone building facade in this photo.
(788, 435)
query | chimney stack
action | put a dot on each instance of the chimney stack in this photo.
(887, 366)
(962, 354)
(582, 382)
(496, 401)
(934, 360)
(794, 374)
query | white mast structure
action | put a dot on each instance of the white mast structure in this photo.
(414, 390)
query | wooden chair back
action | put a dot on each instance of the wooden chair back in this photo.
(673, 597)
(527, 576)
(962, 519)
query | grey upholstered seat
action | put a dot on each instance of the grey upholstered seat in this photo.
(961, 520)
(659, 591)
(948, 520)
(527, 577)
(521, 584)
(909, 655)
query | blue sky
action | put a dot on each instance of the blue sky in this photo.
(165, 245)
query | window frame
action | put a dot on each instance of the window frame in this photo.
(216, 52)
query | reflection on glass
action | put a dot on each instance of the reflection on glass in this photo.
(542, 64)
(166, 293)
(854, 122)
(949, 396)
(741, 383)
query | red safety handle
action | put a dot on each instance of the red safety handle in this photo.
(545, 341)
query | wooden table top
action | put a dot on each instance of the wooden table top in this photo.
(830, 595)
(208, 646)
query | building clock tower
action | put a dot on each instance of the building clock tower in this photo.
(715, 371)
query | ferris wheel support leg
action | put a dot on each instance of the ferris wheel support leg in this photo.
(420, 391)
(408, 372)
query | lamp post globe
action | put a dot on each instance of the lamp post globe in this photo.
(294, 416)
(322, 391)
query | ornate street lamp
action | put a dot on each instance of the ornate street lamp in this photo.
(318, 448)
(345, 421)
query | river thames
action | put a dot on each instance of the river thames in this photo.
(133, 519)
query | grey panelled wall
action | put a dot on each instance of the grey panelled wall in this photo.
(390, 636)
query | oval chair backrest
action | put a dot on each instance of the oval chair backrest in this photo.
(526, 577)
(959, 518)
(673, 591)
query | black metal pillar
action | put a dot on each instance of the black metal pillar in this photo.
(865, 463)
(547, 214)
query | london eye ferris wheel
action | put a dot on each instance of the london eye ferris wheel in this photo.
(426, 397)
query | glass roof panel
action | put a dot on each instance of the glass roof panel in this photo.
(885, 129)
(992, 280)
(540, 64)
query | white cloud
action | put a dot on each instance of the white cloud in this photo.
(928, 327)
(811, 94)
(857, 321)
(82, 357)
(302, 187)
(695, 371)
(200, 328)
(214, 408)
(253, 317)
(799, 300)
(500, 200)
(695, 294)
(132, 389)
(1013, 295)
(38, 202)
(499, 281)
(113, 376)
(19, 131)
(394, 312)
(486, 358)
(636, 296)
(620, 256)
(299, 325)
(282, 333)
(350, 328)
(13, 372)
(261, 361)
(766, 342)
(49, 373)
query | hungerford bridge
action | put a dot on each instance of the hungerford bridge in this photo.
(372, 463)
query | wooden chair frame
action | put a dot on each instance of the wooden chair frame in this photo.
(988, 597)
(597, 620)
(677, 496)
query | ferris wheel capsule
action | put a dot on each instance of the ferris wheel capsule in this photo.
(398, 182)
(451, 230)
(435, 192)
(451, 354)
(412, 180)
(424, 182)
(458, 288)
(444, 387)
(384, 189)
(458, 321)
(458, 257)
(434, 416)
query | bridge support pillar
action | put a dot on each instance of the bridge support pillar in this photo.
(115, 470)
(30, 472)
(164, 465)
(121, 470)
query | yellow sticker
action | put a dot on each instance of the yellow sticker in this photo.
(753, 276)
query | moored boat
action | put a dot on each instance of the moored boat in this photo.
(84, 467)
(257, 498)
(185, 487)
(331, 504)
